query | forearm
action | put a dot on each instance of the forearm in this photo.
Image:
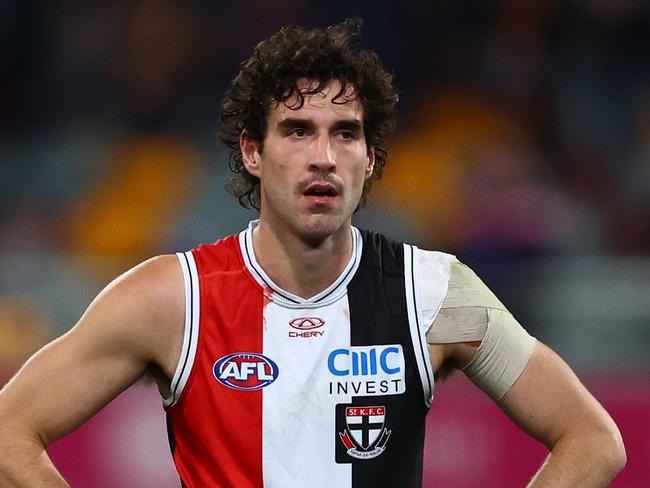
(25, 463)
(581, 462)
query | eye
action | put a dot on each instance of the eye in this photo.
(298, 132)
(346, 134)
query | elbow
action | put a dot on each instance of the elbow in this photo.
(611, 451)
(598, 448)
(619, 456)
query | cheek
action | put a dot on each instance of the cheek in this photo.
(271, 166)
(280, 175)
(278, 178)
(358, 180)
(364, 170)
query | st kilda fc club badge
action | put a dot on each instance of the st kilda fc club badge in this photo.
(361, 433)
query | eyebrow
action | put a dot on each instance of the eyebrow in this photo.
(293, 123)
(354, 125)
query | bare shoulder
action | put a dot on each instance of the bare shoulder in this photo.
(153, 284)
(145, 308)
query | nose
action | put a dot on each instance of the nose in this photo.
(323, 157)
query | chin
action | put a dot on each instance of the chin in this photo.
(317, 228)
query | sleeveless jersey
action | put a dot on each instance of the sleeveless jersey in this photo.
(278, 391)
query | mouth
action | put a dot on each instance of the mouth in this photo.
(321, 192)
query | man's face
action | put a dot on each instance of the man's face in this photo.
(313, 164)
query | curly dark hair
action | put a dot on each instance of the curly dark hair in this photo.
(271, 75)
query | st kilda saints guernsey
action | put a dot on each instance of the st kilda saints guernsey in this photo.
(276, 391)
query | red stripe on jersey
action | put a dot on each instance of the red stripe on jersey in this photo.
(218, 429)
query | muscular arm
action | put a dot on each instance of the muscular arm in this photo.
(531, 384)
(135, 323)
(549, 403)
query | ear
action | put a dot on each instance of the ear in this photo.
(250, 153)
(371, 162)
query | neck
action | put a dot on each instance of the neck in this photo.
(302, 267)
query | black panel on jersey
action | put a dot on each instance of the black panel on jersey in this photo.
(378, 316)
(170, 434)
(172, 440)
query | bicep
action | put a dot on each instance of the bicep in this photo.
(111, 346)
(548, 400)
(65, 383)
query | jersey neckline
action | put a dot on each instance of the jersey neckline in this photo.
(273, 292)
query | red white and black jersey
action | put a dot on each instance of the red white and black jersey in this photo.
(272, 390)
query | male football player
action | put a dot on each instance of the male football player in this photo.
(303, 351)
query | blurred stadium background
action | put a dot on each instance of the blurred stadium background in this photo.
(523, 147)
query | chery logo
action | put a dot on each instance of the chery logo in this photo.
(307, 323)
(305, 326)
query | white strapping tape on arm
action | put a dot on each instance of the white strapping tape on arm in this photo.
(502, 356)
(472, 313)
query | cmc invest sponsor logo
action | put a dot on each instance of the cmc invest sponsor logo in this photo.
(305, 327)
(367, 370)
(245, 371)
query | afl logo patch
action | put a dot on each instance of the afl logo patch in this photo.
(245, 371)
(307, 323)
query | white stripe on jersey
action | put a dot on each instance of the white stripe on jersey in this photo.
(418, 332)
(191, 329)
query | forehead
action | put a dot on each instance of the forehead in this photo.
(324, 103)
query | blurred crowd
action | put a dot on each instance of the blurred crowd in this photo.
(524, 132)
